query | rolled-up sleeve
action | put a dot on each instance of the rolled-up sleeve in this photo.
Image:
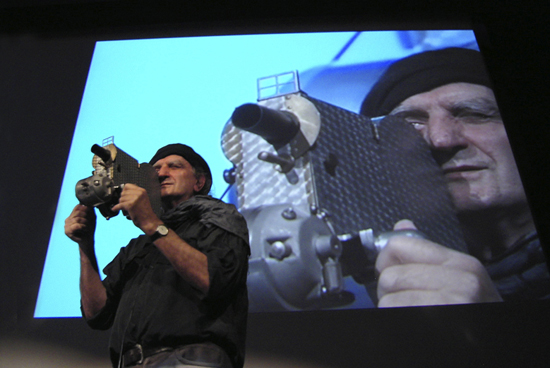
(227, 256)
(113, 284)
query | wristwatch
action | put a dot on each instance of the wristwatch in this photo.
(162, 230)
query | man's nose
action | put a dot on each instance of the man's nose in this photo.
(162, 171)
(445, 133)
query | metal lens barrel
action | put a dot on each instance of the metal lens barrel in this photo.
(276, 127)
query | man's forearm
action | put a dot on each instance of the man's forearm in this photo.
(92, 292)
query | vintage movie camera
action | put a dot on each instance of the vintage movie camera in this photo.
(114, 168)
(321, 188)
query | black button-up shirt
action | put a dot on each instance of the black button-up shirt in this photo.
(150, 304)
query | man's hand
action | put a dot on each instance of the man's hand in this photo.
(420, 272)
(135, 203)
(80, 225)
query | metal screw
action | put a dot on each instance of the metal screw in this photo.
(280, 250)
(289, 214)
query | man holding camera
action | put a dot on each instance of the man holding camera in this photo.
(447, 96)
(175, 296)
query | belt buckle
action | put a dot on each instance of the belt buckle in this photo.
(133, 356)
(141, 357)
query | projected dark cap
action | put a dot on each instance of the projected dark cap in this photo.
(196, 160)
(421, 73)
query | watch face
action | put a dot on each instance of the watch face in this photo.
(162, 230)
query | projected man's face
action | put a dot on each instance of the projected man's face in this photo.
(462, 124)
(177, 179)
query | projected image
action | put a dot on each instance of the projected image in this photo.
(321, 176)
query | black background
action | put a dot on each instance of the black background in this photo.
(45, 51)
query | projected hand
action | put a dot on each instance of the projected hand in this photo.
(420, 272)
(80, 225)
(135, 202)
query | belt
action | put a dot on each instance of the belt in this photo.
(138, 353)
(204, 354)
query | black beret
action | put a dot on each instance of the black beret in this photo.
(421, 73)
(188, 154)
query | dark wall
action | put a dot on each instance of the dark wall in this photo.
(45, 52)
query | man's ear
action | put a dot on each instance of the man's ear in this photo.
(201, 180)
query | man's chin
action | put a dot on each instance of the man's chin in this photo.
(466, 198)
(171, 200)
(165, 191)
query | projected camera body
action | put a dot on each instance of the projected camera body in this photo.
(318, 185)
(114, 168)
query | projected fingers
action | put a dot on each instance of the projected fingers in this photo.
(415, 271)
